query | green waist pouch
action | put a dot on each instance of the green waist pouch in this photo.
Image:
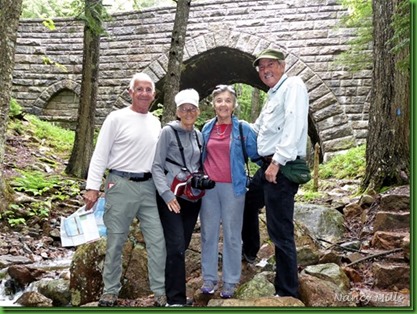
(296, 171)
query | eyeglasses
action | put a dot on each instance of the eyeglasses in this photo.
(191, 109)
(269, 65)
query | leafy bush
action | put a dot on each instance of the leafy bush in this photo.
(15, 108)
(34, 182)
(59, 138)
(349, 165)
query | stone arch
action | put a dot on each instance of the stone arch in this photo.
(55, 104)
(226, 57)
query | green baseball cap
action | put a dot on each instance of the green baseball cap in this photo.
(269, 54)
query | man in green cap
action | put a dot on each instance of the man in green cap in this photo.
(282, 137)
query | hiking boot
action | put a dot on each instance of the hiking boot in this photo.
(209, 287)
(189, 302)
(108, 299)
(248, 259)
(160, 300)
(228, 290)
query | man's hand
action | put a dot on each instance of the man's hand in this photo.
(90, 198)
(271, 173)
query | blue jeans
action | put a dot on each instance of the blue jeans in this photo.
(221, 207)
(178, 229)
(279, 203)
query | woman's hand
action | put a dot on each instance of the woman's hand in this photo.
(174, 206)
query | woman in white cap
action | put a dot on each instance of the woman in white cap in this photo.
(224, 162)
(178, 154)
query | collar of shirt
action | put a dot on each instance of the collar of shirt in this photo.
(274, 89)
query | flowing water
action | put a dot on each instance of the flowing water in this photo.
(8, 297)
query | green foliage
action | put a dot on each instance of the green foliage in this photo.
(16, 221)
(350, 165)
(47, 60)
(206, 113)
(401, 39)
(59, 138)
(34, 182)
(307, 194)
(49, 23)
(359, 18)
(40, 210)
(71, 8)
(244, 94)
(15, 109)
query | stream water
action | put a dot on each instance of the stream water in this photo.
(52, 271)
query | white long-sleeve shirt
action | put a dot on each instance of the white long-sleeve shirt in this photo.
(126, 142)
(282, 125)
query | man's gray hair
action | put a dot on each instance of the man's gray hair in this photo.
(141, 77)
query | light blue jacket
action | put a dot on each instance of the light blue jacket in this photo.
(237, 161)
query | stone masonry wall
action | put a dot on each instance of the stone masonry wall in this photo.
(49, 62)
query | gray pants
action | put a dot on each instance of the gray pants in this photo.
(126, 200)
(221, 207)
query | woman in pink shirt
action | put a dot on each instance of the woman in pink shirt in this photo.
(224, 162)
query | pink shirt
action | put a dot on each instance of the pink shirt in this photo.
(217, 163)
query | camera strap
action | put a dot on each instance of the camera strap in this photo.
(182, 150)
(245, 154)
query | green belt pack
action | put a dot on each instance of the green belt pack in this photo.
(296, 171)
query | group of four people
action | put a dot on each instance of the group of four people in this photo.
(141, 156)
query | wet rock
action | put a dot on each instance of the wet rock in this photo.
(86, 282)
(34, 299)
(24, 275)
(57, 290)
(7, 260)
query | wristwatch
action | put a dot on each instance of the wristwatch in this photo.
(274, 162)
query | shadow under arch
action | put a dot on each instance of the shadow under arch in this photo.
(226, 57)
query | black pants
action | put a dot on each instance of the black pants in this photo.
(254, 201)
(178, 229)
(279, 202)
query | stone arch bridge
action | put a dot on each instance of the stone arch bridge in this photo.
(223, 36)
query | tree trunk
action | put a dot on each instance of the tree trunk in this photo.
(84, 134)
(255, 104)
(10, 11)
(388, 142)
(176, 53)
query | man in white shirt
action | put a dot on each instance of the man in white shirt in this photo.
(282, 137)
(126, 146)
